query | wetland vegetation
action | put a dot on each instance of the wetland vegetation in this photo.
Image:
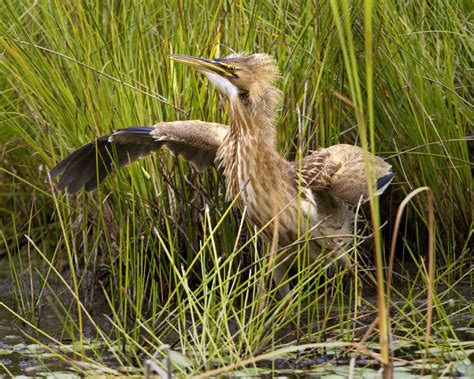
(155, 273)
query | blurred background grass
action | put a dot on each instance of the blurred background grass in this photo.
(71, 71)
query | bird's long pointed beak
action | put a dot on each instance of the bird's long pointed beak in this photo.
(203, 64)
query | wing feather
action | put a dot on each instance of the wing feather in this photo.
(196, 141)
(340, 169)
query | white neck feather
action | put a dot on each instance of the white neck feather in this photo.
(226, 87)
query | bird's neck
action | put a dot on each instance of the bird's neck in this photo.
(248, 154)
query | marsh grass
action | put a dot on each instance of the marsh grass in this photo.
(158, 254)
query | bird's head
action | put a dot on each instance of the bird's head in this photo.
(247, 79)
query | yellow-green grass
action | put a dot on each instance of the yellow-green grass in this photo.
(172, 261)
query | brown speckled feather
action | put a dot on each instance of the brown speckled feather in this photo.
(196, 141)
(340, 169)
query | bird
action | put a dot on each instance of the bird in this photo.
(310, 198)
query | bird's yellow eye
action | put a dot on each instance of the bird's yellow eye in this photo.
(231, 68)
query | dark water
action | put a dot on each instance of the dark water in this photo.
(24, 335)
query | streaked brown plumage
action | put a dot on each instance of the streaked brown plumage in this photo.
(311, 196)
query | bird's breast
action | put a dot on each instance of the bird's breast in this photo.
(258, 182)
(253, 178)
(261, 187)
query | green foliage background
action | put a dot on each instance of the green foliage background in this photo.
(74, 70)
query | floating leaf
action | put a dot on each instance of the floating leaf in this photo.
(179, 360)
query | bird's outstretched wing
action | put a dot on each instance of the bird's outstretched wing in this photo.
(196, 141)
(340, 169)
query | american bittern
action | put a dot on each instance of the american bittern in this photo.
(312, 195)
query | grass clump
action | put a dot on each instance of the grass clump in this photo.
(156, 254)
